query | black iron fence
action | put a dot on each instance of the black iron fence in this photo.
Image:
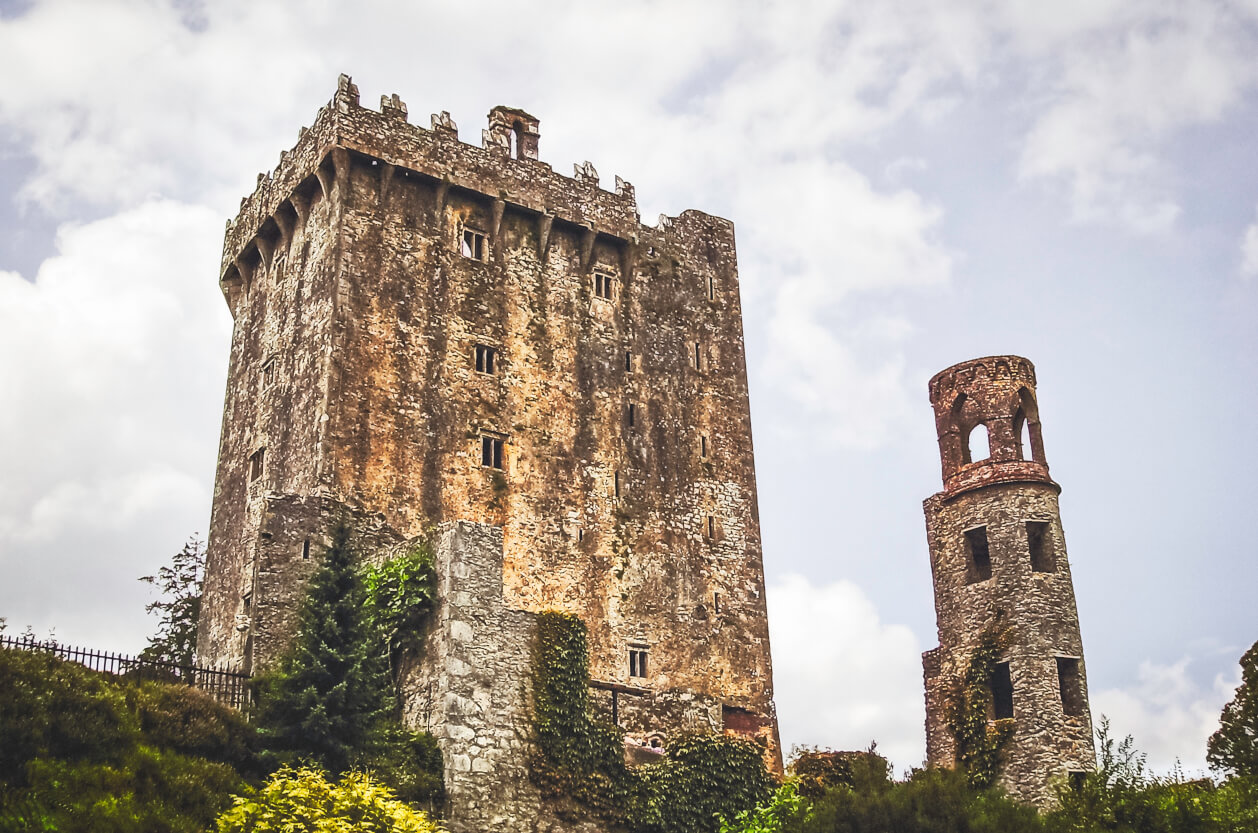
(227, 687)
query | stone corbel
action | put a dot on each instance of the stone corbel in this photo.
(340, 162)
(544, 224)
(386, 179)
(443, 190)
(587, 247)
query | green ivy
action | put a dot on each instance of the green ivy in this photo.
(580, 763)
(979, 742)
(401, 593)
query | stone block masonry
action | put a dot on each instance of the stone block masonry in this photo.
(428, 332)
(998, 558)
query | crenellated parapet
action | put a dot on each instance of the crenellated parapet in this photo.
(505, 170)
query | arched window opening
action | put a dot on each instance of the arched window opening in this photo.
(958, 406)
(977, 445)
(516, 130)
(1024, 441)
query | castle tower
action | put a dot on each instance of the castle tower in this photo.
(998, 558)
(431, 332)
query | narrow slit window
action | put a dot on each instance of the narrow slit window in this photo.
(305, 550)
(486, 359)
(257, 464)
(491, 452)
(603, 285)
(1040, 543)
(716, 603)
(698, 358)
(1071, 685)
(616, 486)
(711, 526)
(703, 446)
(628, 361)
(632, 414)
(268, 373)
(637, 662)
(711, 288)
(980, 561)
(1002, 692)
(472, 244)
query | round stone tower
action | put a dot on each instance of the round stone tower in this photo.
(998, 558)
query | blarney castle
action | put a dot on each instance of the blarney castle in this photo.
(434, 335)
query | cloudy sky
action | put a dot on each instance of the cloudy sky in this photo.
(913, 184)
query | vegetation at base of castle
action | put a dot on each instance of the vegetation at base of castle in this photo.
(1119, 796)
(331, 702)
(179, 607)
(1234, 747)
(86, 751)
(979, 742)
(304, 799)
(401, 593)
(580, 760)
(816, 771)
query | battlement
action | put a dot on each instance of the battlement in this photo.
(504, 168)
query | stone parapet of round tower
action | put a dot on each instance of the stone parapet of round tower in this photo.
(998, 561)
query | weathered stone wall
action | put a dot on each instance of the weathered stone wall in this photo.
(1024, 588)
(353, 368)
(470, 688)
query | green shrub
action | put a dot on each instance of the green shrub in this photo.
(304, 800)
(187, 720)
(86, 751)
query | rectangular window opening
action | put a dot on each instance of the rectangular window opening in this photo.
(628, 361)
(616, 487)
(637, 662)
(711, 288)
(603, 285)
(491, 452)
(632, 414)
(716, 603)
(1002, 692)
(698, 359)
(257, 463)
(1071, 684)
(1040, 542)
(711, 526)
(268, 373)
(473, 244)
(305, 550)
(486, 358)
(703, 446)
(980, 562)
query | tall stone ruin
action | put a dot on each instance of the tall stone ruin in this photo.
(434, 335)
(998, 558)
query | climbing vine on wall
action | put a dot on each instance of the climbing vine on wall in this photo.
(979, 741)
(579, 763)
(401, 593)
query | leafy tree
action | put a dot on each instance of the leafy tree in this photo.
(179, 608)
(331, 694)
(305, 800)
(401, 593)
(1234, 747)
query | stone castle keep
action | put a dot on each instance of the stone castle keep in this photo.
(454, 342)
(998, 558)
(429, 333)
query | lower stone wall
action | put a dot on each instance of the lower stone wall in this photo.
(470, 688)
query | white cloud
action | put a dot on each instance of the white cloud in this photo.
(1168, 714)
(1249, 250)
(843, 677)
(115, 361)
(1118, 93)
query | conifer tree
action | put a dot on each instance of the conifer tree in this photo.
(332, 692)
